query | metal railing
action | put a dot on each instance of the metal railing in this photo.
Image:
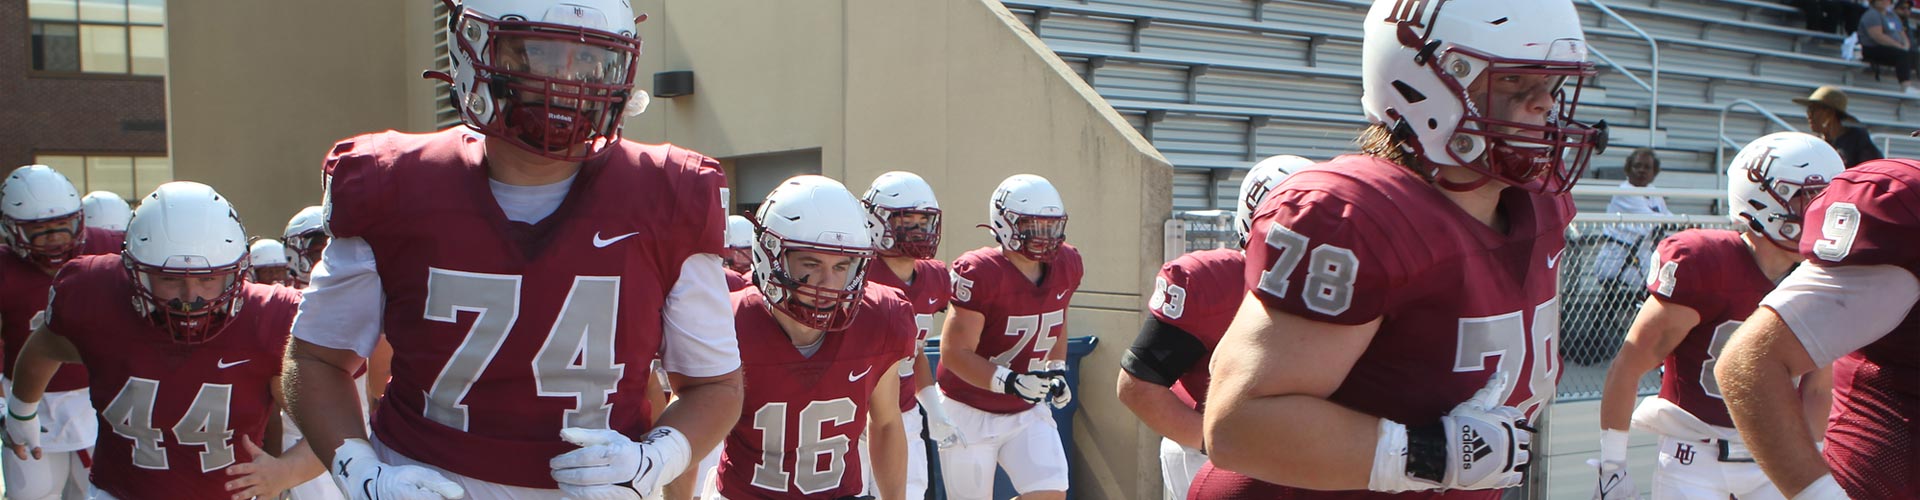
(1719, 153)
(1886, 144)
(1653, 111)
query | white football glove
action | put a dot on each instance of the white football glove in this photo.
(610, 466)
(23, 427)
(362, 476)
(939, 426)
(1033, 387)
(1613, 483)
(1487, 443)
(1060, 395)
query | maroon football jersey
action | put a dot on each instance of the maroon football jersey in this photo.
(1360, 238)
(1199, 293)
(929, 293)
(23, 293)
(1713, 272)
(1870, 215)
(176, 412)
(504, 332)
(802, 415)
(1025, 320)
(736, 281)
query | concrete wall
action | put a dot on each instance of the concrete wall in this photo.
(260, 90)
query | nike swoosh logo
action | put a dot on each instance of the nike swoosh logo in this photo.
(855, 377)
(223, 364)
(932, 301)
(1062, 295)
(602, 243)
(1555, 259)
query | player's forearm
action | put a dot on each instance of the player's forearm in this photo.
(922, 372)
(1816, 401)
(1622, 386)
(1328, 447)
(887, 443)
(1161, 410)
(682, 487)
(970, 366)
(1767, 410)
(39, 359)
(323, 402)
(307, 464)
(704, 409)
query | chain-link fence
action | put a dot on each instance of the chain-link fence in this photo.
(1603, 282)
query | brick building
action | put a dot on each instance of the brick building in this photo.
(84, 90)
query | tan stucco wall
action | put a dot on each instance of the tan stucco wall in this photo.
(258, 91)
(955, 90)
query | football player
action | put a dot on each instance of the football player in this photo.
(267, 261)
(1856, 294)
(531, 265)
(739, 254)
(1401, 317)
(305, 239)
(105, 210)
(1164, 375)
(819, 348)
(908, 218)
(186, 373)
(42, 215)
(1001, 350)
(1703, 283)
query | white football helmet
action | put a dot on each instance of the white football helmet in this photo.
(1259, 181)
(897, 194)
(1771, 181)
(1027, 217)
(186, 230)
(1420, 59)
(106, 210)
(811, 213)
(553, 77)
(40, 197)
(267, 252)
(305, 237)
(739, 253)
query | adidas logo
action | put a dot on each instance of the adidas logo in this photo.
(1472, 447)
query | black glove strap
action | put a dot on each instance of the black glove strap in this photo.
(1427, 452)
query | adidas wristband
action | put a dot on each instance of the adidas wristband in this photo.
(21, 410)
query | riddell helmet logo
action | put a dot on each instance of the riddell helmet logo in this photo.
(1415, 13)
(1472, 447)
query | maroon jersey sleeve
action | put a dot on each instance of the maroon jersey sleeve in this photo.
(938, 279)
(1313, 255)
(736, 281)
(967, 273)
(1199, 294)
(1683, 274)
(901, 329)
(1869, 215)
(354, 195)
(702, 202)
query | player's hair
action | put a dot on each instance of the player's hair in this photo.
(1379, 141)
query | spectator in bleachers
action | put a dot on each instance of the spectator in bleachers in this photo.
(1884, 40)
(1628, 245)
(1828, 118)
(1827, 15)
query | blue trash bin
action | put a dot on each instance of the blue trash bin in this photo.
(1077, 348)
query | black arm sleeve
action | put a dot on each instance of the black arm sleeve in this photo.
(1162, 353)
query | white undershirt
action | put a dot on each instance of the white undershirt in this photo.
(1837, 310)
(344, 305)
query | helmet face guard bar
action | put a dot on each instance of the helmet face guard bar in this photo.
(1037, 237)
(822, 308)
(47, 256)
(188, 323)
(1538, 157)
(570, 110)
(918, 241)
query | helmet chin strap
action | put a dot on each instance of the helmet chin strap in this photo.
(1460, 187)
